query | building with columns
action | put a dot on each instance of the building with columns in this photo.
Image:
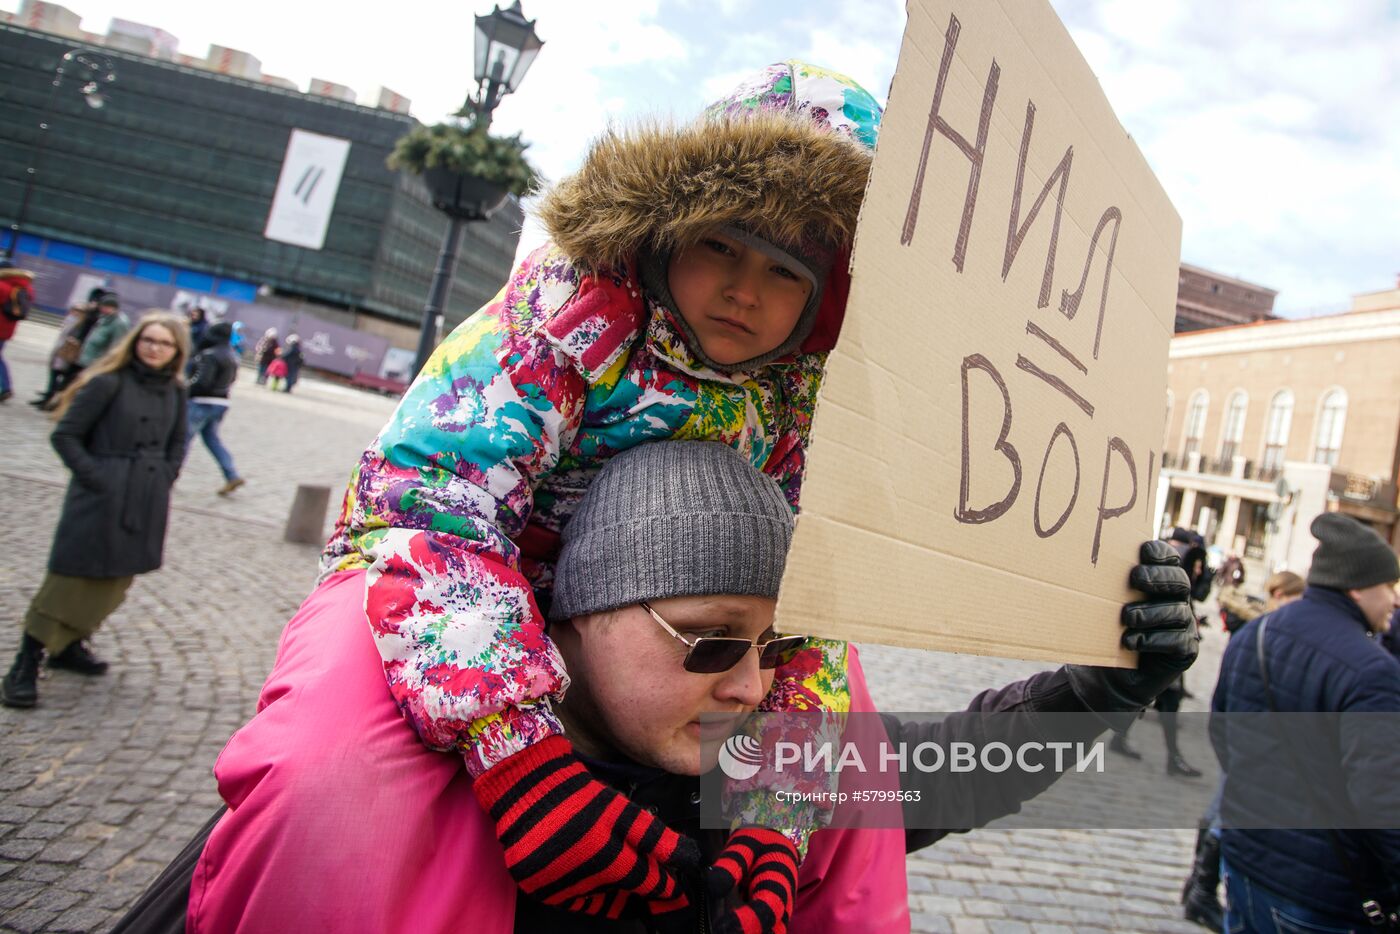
(1270, 423)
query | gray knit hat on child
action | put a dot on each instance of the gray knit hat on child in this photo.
(672, 519)
(1350, 555)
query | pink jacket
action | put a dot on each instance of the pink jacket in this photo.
(340, 819)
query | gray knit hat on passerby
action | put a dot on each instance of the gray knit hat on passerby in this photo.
(1350, 555)
(672, 519)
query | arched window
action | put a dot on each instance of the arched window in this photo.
(1331, 420)
(1232, 430)
(1276, 429)
(1195, 423)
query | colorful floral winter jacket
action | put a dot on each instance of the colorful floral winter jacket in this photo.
(456, 508)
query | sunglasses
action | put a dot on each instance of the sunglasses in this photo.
(707, 655)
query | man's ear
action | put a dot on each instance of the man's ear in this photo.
(573, 632)
(565, 635)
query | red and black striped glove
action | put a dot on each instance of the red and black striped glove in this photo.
(573, 842)
(765, 862)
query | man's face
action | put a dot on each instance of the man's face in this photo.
(630, 693)
(739, 302)
(1377, 603)
(107, 309)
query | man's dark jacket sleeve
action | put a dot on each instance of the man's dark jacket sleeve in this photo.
(966, 800)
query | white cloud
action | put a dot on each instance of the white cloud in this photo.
(1273, 127)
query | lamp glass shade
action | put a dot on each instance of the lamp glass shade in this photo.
(506, 46)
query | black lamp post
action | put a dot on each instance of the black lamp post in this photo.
(95, 70)
(506, 46)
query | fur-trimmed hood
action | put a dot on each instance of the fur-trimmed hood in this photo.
(785, 157)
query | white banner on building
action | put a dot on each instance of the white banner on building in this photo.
(306, 190)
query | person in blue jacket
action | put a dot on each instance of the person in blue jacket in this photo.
(1318, 654)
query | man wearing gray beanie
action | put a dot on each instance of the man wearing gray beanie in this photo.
(1351, 557)
(663, 609)
(1317, 654)
(686, 518)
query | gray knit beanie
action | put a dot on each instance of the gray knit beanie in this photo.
(672, 519)
(1350, 555)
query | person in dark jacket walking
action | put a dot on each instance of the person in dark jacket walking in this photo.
(294, 358)
(1316, 655)
(214, 369)
(198, 324)
(1199, 895)
(265, 353)
(121, 431)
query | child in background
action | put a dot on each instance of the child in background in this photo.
(276, 373)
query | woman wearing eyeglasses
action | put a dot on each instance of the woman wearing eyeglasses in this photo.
(121, 432)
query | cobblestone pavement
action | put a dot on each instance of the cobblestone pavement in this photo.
(102, 784)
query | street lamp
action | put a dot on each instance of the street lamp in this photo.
(95, 71)
(506, 46)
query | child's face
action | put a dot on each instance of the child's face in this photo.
(739, 302)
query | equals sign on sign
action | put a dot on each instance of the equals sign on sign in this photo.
(308, 182)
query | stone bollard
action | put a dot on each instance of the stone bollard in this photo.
(306, 523)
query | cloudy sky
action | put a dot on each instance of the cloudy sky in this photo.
(1274, 126)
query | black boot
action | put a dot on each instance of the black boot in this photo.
(1119, 744)
(1179, 766)
(77, 658)
(1176, 765)
(1202, 906)
(20, 687)
(50, 390)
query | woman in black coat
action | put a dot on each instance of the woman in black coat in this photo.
(122, 434)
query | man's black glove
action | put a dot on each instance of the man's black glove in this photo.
(1161, 629)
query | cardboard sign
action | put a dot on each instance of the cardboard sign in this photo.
(990, 430)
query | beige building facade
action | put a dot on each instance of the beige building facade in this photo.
(1270, 423)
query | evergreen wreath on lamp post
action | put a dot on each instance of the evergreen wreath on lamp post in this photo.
(468, 171)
